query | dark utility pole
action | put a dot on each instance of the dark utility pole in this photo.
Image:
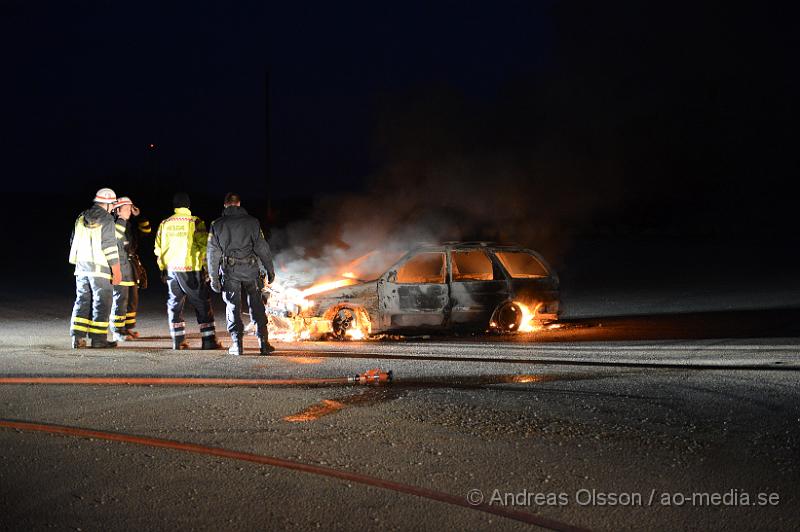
(267, 143)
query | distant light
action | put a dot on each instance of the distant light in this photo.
(152, 146)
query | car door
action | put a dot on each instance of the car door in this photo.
(532, 280)
(413, 294)
(477, 287)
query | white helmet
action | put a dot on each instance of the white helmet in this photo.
(105, 195)
(121, 202)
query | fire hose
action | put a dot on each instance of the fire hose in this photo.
(509, 513)
(373, 376)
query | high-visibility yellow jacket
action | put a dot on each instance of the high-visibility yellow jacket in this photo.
(94, 244)
(181, 242)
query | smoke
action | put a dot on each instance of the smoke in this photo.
(452, 169)
(614, 131)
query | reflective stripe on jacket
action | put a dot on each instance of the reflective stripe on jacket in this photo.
(181, 242)
(94, 244)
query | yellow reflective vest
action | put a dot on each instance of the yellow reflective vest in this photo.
(94, 244)
(181, 242)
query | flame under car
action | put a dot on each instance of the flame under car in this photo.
(442, 288)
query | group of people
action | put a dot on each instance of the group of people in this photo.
(230, 258)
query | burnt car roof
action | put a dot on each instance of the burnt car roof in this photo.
(490, 246)
(482, 243)
(442, 247)
(468, 245)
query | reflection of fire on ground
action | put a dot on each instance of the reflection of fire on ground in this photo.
(324, 408)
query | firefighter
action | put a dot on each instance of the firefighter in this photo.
(235, 247)
(180, 249)
(94, 252)
(134, 234)
(123, 209)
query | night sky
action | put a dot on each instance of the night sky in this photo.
(616, 117)
(94, 86)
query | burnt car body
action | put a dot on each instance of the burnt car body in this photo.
(453, 286)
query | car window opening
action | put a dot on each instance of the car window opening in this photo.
(423, 268)
(521, 265)
(471, 265)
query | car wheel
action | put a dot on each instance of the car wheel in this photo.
(507, 317)
(343, 320)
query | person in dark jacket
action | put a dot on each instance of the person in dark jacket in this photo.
(236, 244)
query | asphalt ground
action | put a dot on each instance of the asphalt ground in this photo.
(638, 422)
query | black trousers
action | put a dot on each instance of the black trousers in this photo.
(192, 286)
(232, 293)
(92, 308)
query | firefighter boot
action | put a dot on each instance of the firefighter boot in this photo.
(179, 343)
(264, 347)
(211, 342)
(78, 342)
(102, 343)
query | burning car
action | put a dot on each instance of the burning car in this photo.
(455, 286)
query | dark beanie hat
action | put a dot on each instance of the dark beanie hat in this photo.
(181, 199)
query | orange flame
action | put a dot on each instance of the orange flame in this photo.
(298, 326)
(528, 322)
(324, 287)
(354, 334)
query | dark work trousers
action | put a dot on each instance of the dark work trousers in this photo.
(133, 305)
(192, 286)
(93, 296)
(119, 308)
(232, 293)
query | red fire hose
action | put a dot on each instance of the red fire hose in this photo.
(373, 376)
(509, 513)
